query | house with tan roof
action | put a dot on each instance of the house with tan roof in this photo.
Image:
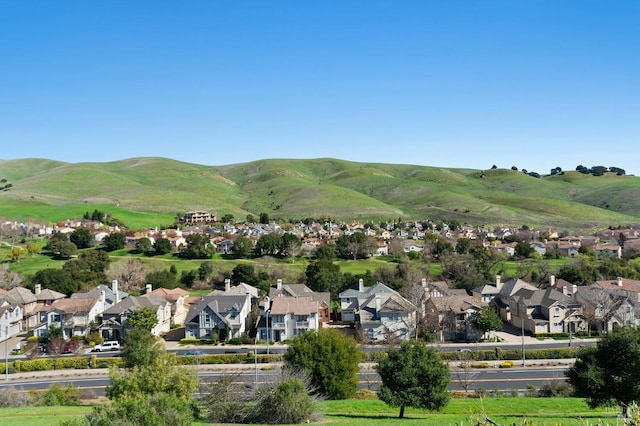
(74, 316)
(624, 286)
(450, 317)
(114, 320)
(300, 290)
(176, 297)
(286, 317)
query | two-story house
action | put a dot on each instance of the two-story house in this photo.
(74, 316)
(381, 312)
(605, 309)
(300, 290)
(29, 304)
(177, 300)
(449, 316)
(286, 317)
(219, 316)
(114, 320)
(10, 318)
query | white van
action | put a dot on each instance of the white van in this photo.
(111, 345)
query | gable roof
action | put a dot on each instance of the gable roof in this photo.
(22, 295)
(294, 305)
(456, 303)
(300, 290)
(109, 295)
(171, 295)
(221, 305)
(625, 284)
(73, 306)
(132, 303)
(48, 294)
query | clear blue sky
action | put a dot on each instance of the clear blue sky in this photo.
(532, 84)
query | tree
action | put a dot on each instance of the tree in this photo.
(144, 318)
(140, 347)
(161, 246)
(8, 278)
(144, 245)
(33, 248)
(264, 218)
(165, 278)
(486, 320)
(16, 253)
(610, 371)
(330, 358)
(82, 238)
(114, 241)
(4, 186)
(326, 252)
(198, 247)
(414, 376)
(244, 273)
(66, 249)
(291, 245)
(130, 273)
(269, 244)
(324, 275)
(56, 279)
(523, 250)
(242, 246)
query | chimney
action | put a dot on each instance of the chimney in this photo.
(116, 293)
(574, 289)
(103, 299)
(38, 289)
(619, 281)
(564, 290)
(279, 284)
(361, 285)
(499, 282)
(227, 285)
(378, 303)
(552, 281)
(423, 282)
(149, 288)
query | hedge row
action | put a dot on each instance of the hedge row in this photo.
(227, 359)
(498, 354)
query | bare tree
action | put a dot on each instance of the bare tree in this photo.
(130, 273)
(9, 279)
(464, 374)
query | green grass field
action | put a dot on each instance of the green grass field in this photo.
(459, 412)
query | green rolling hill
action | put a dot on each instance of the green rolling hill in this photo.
(150, 191)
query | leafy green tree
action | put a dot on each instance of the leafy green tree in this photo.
(114, 241)
(82, 238)
(33, 248)
(205, 270)
(161, 246)
(486, 320)
(610, 371)
(144, 245)
(244, 273)
(144, 318)
(524, 250)
(65, 249)
(198, 247)
(140, 347)
(264, 218)
(324, 275)
(227, 218)
(164, 278)
(414, 376)
(326, 252)
(242, 247)
(16, 253)
(56, 279)
(330, 358)
(291, 245)
(269, 245)
(355, 246)
(4, 186)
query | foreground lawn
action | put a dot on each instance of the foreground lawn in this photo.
(36, 416)
(459, 412)
(503, 411)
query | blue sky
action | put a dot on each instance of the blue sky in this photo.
(531, 84)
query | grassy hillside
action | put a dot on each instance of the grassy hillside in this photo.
(150, 191)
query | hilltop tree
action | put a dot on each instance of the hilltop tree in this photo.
(413, 376)
(4, 186)
(324, 275)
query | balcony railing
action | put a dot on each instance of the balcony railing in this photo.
(277, 325)
(302, 324)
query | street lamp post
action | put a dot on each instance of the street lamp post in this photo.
(523, 355)
(6, 353)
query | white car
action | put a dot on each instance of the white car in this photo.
(111, 345)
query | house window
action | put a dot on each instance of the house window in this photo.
(278, 318)
(301, 318)
(393, 317)
(556, 312)
(207, 318)
(56, 318)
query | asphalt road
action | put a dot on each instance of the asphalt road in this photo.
(503, 379)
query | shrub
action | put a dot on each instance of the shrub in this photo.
(506, 364)
(365, 394)
(158, 409)
(60, 395)
(10, 397)
(480, 365)
(289, 403)
(235, 341)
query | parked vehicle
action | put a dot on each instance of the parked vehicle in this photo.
(193, 353)
(68, 347)
(111, 345)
